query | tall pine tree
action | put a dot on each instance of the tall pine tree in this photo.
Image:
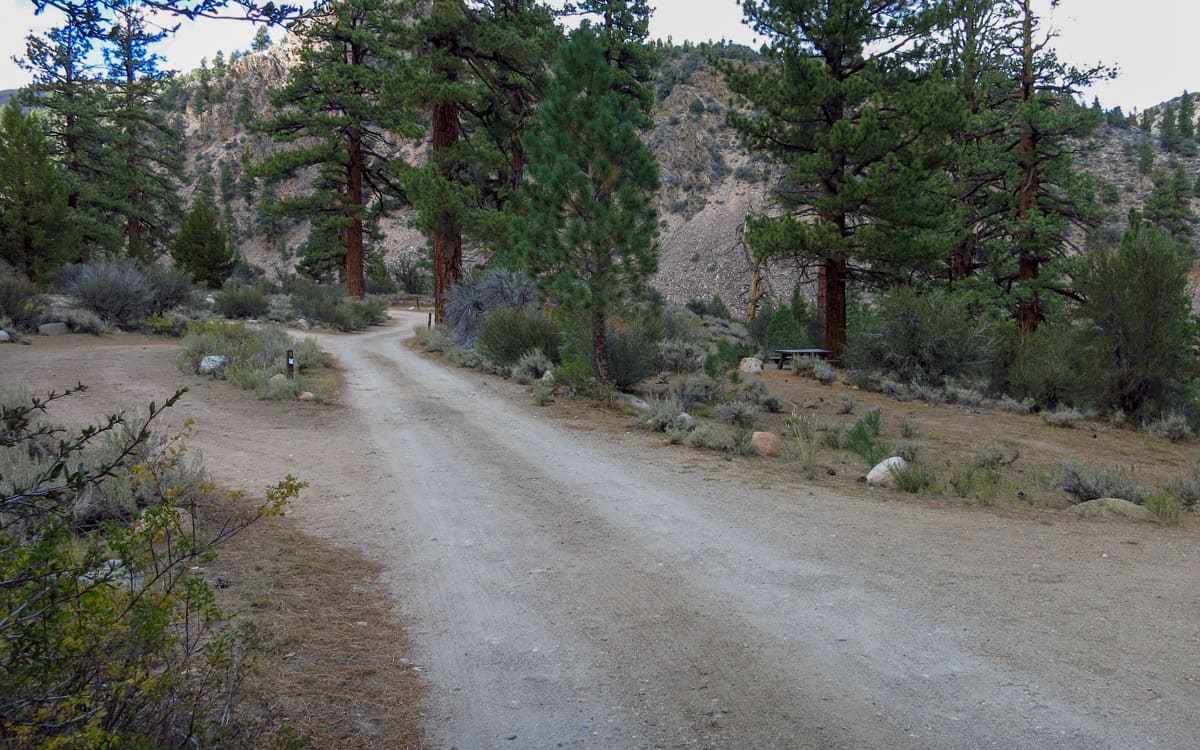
(845, 107)
(37, 232)
(590, 234)
(340, 105)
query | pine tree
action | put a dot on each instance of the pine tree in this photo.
(624, 27)
(486, 72)
(143, 165)
(861, 133)
(67, 92)
(262, 40)
(37, 234)
(590, 234)
(1187, 117)
(201, 248)
(1169, 205)
(336, 111)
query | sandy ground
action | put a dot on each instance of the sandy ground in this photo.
(568, 585)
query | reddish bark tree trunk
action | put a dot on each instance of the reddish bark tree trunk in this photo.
(831, 287)
(1028, 310)
(355, 279)
(447, 129)
(599, 343)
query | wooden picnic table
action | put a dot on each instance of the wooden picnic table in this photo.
(784, 355)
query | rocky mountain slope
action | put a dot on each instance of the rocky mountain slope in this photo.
(709, 184)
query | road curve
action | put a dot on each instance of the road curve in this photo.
(568, 587)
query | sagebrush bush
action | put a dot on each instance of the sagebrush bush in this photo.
(816, 368)
(508, 333)
(432, 339)
(697, 389)
(664, 413)
(1173, 426)
(1083, 483)
(680, 356)
(81, 320)
(976, 482)
(739, 413)
(469, 304)
(1063, 417)
(169, 288)
(118, 292)
(719, 437)
(914, 478)
(349, 314)
(1187, 487)
(234, 301)
(530, 367)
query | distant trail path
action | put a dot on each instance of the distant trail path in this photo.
(570, 587)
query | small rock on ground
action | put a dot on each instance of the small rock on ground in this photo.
(883, 475)
(1112, 507)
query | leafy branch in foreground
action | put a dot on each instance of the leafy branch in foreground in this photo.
(108, 630)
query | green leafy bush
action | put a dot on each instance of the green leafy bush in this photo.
(914, 478)
(727, 356)
(125, 646)
(508, 333)
(19, 300)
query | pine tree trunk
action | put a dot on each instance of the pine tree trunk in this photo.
(355, 281)
(831, 293)
(447, 129)
(599, 343)
(1028, 311)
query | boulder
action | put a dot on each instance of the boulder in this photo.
(634, 402)
(4, 337)
(212, 364)
(884, 472)
(765, 443)
(306, 396)
(302, 324)
(1112, 507)
(278, 377)
(751, 365)
(53, 329)
(685, 421)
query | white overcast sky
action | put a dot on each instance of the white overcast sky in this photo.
(1150, 41)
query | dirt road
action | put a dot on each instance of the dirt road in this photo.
(575, 587)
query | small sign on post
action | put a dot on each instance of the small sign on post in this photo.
(291, 364)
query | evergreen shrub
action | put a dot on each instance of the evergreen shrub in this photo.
(508, 333)
(18, 297)
(926, 337)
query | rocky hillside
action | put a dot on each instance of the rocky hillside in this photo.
(709, 183)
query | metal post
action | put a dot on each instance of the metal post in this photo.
(429, 324)
(291, 364)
